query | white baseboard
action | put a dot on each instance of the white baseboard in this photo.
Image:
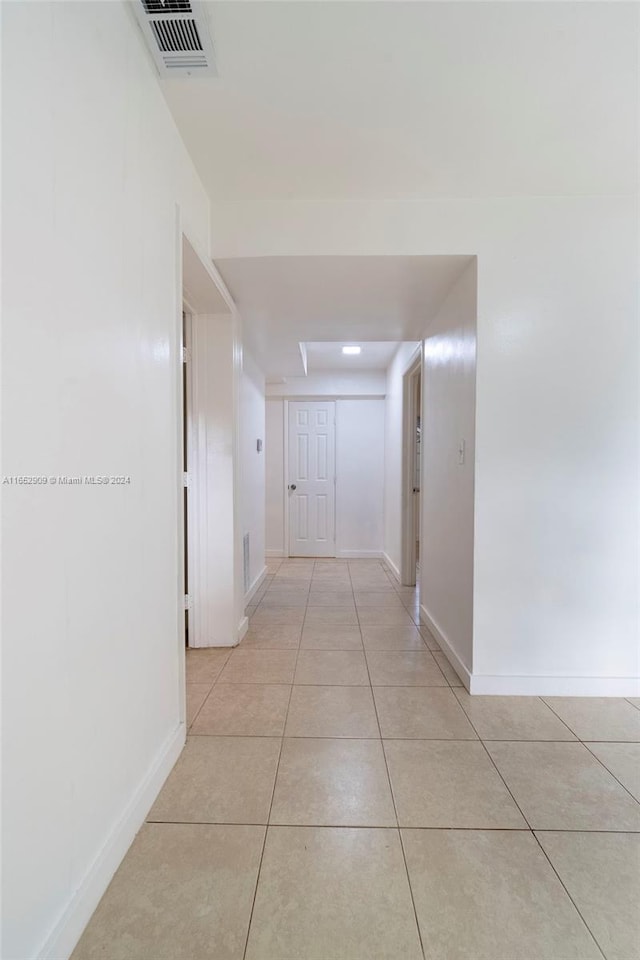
(451, 655)
(389, 562)
(242, 629)
(358, 555)
(67, 931)
(512, 686)
(275, 554)
(255, 586)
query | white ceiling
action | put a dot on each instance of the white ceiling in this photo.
(285, 300)
(393, 100)
(374, 355)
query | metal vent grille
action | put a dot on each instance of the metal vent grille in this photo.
(245, 561)
(177, 36)
(167, 6)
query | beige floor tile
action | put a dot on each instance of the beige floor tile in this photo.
(284, 598)
(598, 718)
(635, 701)
(331, 574)
(560, 786)
(327, 616)
(325, 598)
(404, 668)
(384, 617)
(272, 637)
(278, 615)
(332, 667)
(429, 713)
(259, 666)
(332, 783)
(183, 891)
(204, 665)
(623, 761)
(601, 871)
(491, 895)
(448, 783)
(220, 780)
(331, 638)
(331, 712)
(196, 696)
(287, 578)
(392, 638)
(378, 598)
(449, 673)
(361, 580)
(244, 709)
(300, 569)
(334, 582)
(428, 637)
(333, 894)
(283, 602)
(513, 718)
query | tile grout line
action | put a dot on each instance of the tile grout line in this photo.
(209, 691)
(533, 834)
(393, 799)
(561, 881)
(275, 780)
(585, 745)
(352, 826)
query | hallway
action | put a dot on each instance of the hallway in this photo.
(405, 819)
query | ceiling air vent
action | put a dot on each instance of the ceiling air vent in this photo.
(178, 37)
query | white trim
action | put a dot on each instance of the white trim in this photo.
(242, 629)
(462, 671)
(286, 548)
(67, 931)
(409, 521)
(311, 397)
(359, 555)
(389, 562)
(278, 554)
(514, 686)
(531, 686)
(255, 586)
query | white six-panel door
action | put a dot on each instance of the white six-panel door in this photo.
(311, 487)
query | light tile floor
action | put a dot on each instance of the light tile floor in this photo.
(341, 797)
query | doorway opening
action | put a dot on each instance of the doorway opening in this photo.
(411, 471)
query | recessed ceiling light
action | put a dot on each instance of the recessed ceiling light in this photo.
(351, 351)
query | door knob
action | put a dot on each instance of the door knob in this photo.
(292, 486)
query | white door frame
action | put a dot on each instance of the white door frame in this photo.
(216, 612)
(285, 471)
(410, 503)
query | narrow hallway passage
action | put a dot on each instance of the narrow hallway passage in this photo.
(341, 797)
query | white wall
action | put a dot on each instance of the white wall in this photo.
(556, 547)
(93, 168)
(447, 489)
(252, 464)
(330, 384)
(393, 435)
(359, 477)
(359, 464)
